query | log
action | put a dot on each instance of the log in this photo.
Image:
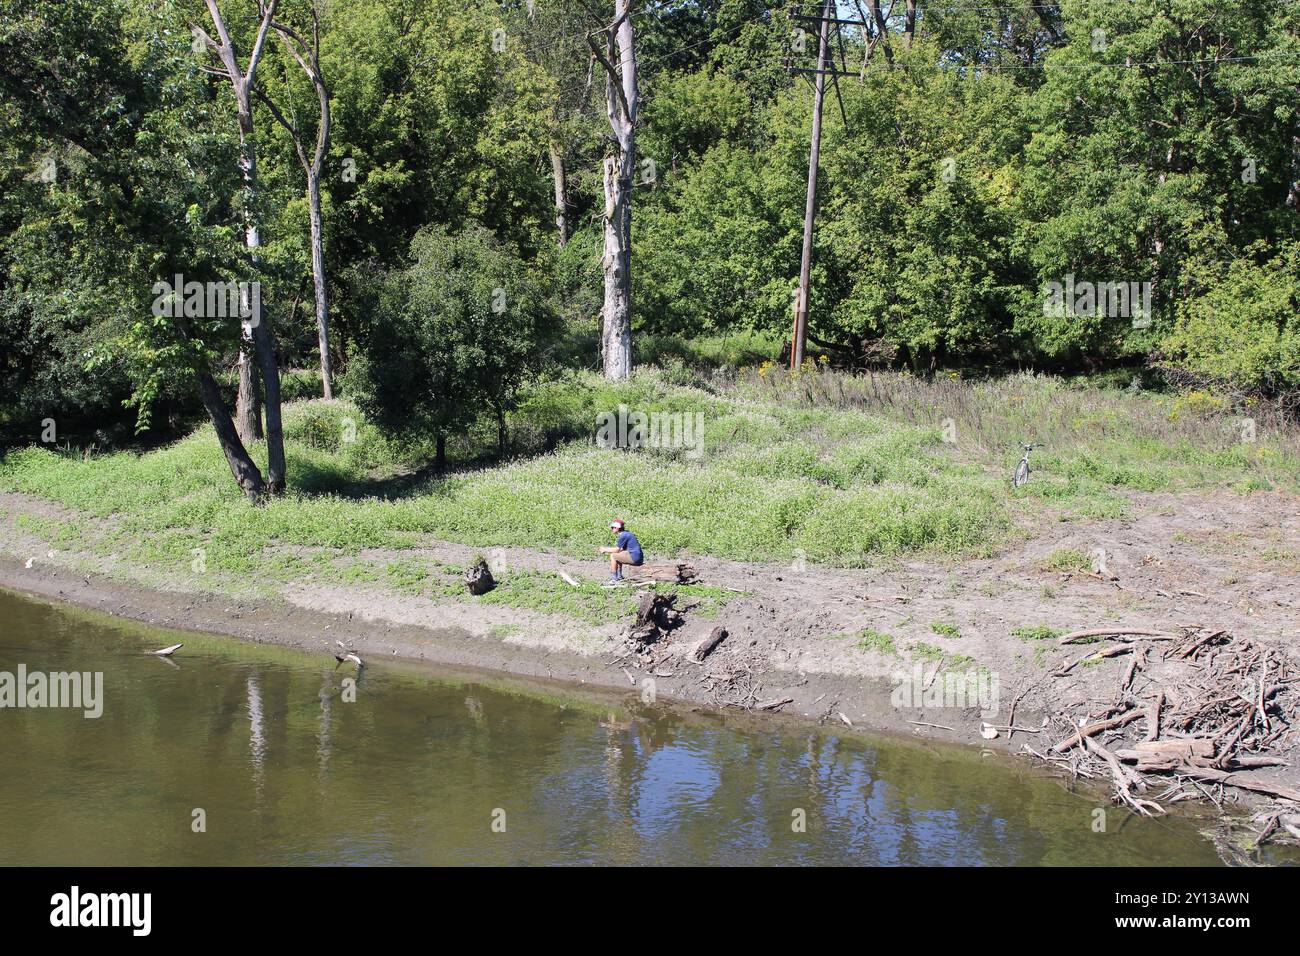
(1199, 643)
(1113, 651)
(1125, 780)
(707, 646)
(672, 572)
(1210, 775)
(1159, 755)
(1113, 632)
(1098, 727)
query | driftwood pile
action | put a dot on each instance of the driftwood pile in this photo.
(1196, 711)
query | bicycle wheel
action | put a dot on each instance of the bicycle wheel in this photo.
(1022, 474)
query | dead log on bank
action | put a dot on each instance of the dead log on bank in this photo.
(670, 572)
(1218, 706)
(706, 646)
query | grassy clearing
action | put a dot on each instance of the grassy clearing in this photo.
(1096, 437)
(836, 469)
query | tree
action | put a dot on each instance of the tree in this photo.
(242, 81)
(454, 334)
(616, 53)
(307, 56)
(554, 41)
(117, 101)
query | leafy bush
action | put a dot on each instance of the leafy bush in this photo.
(1243, 330)
(454, 336)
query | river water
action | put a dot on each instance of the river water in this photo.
(237, 753)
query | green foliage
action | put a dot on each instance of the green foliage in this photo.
(1036, 632)
(454, 334)
(1243, 330)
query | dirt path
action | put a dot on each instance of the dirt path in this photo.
(836, 643)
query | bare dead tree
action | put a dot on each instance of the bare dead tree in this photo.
(307, 56)
(874, 26)
(614, 48)
(257, 326)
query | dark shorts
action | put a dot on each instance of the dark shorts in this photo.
(625, 557)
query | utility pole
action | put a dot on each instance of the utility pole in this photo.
(810, 209)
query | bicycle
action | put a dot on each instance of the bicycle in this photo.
(1022, 469)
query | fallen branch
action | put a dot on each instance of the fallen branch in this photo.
(706, 646)
(1112, 651)
(1124, 780)
(1076, 636)
(1098, 727)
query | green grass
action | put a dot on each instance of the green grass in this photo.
(1065, 559)
(842, 470)
(842, 488)
(927, 652)
(945, 629)
(1036, 632)
(872, 640)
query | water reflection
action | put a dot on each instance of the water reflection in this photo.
(291, 766)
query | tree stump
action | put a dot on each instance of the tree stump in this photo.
(478, 578)
(655, 617)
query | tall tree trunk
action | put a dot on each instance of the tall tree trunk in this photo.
(318, 279)
(275, 468)
(618, 57)
(879, 33)
(248, 405)
(307, 55)
(263, 340)
(242, 82)
(561, 194)
(909, 24)
(241, 464)
(616, 331)
(248, 411)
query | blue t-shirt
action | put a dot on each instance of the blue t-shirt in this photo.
(627, 542)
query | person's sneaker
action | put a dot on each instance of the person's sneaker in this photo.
(614, 581)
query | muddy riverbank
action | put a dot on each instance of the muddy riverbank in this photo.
(870, 649)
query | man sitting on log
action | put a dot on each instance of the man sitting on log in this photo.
(626, 550)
